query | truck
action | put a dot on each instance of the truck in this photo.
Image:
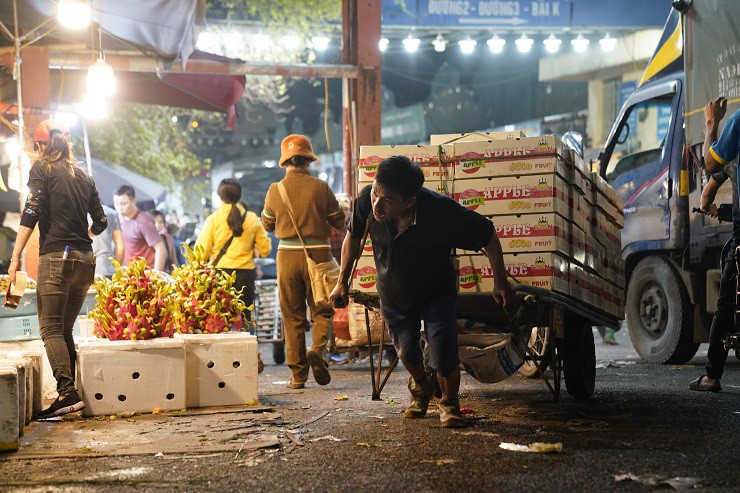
(653, 159)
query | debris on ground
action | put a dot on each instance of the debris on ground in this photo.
(441, 462)
(330, 438)
(368, 444)
(537, 447)
(677, 483)
(467, 410)
(341, 398)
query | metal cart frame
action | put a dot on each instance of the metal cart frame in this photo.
(572, 358)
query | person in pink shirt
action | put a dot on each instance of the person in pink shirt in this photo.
(140, 235)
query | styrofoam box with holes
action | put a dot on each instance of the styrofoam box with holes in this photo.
(221, 369)
(126, 376)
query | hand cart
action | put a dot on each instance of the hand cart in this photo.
(570, 335)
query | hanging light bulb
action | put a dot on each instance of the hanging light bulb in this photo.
(411, 44)
(101, 79)
(439, 43)
(608, 43)
(383, 44)
(467, 45)
(320, 43)
(524, 44)
(552, 44)
(580, 44)
(291, 41)
(496, 44)
(261, 42)
(94, 107)
(74, 14)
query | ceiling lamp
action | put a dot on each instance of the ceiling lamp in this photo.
(101, 79)
(580, 44)
(320, 43)
(496, 44)
(524, 44)
(383, 44)
(411, 44)
(467, 45)
(74, 14)
(552, 44)
(439, 43)
(94, 107)
(608, 43)
(291, 41)
(261, 42)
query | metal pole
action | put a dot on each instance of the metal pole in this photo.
(19, 87)
(86, 141)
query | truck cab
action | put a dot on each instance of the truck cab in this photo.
(671, 255)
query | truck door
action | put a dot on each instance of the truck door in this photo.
(638, 167)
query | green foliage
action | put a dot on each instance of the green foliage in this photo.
(300, 15)
(144, 139)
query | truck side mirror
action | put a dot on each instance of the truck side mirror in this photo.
(574, 140)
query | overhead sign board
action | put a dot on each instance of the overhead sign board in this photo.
(525, 13)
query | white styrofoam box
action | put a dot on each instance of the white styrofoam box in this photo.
(26, 385)
(124, 376)
(9, 409)
(220, 369)
(48, 382)
(87, 326)
(20, 370)
(36, 358)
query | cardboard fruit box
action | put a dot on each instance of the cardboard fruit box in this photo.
(444, 187)
(533, 194)
(525, 233)
(426, 156)
(496, 158)
(365, 276)
(545, 270)
(474, 137)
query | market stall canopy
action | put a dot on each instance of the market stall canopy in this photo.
(162, 35)
(110, 176)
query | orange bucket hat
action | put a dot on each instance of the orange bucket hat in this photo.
(296, 145)
(46, 127)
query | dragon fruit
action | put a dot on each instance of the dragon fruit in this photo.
(204, 299)
(133, 305)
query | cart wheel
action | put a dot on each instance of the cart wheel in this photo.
(579, 357)
(539, 344)
(278, 353)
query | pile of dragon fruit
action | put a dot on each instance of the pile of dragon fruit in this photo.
(139, 303)
(204, 299)
(133, 304)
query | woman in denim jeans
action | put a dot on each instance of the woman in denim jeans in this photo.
(61, 195)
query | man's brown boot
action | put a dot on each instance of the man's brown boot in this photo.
(420, 397)
(449, 414)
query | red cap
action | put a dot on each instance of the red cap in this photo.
(44, 129)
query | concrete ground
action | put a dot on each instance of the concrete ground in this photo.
(642, 427)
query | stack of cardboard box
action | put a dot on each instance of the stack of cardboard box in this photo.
(558, 223)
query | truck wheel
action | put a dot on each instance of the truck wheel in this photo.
(579, 357)
(659, 313)
(278, 352)
(539, 344)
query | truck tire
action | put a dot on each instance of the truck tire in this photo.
(579, 357)
(539, 344)
(659, 313)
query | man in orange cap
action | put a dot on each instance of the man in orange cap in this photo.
(315, 210)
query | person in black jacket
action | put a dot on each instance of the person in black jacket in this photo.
(60, 196)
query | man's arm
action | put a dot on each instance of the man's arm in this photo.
(160, 255)
(708, 195)
(502, 291)
(118, 245)
(350, 252)
(713, 114)
(268, 213)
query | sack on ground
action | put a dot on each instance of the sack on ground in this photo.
(490, 358)
(358, 327)
(324, 277)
